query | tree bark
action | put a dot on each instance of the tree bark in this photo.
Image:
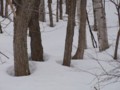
(67, 6)
(1, 29)
(101, 25)
(82, 31)
(50, 13)
(23, 15)
(6, 9)
(42, 11)
(57, 7)
(61, 9)
(95, 26)
(70, 33)
(78, 10)
(2, 8)
(35, 34)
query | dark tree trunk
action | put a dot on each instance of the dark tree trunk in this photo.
(2, 8)
(82, 32)
(1, 29)
(6, 9)
(42, 11)
(22, 19)
(117, 43)
(57, 7)
(36, 42)
(50, 13)
(67, 6)
(70, 33)
(61, 9)
(95, 26)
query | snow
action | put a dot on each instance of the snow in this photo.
(51, 74)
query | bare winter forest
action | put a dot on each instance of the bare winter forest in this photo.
(59, 44)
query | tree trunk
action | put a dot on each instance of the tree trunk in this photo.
(78, 10)
(117, 43)
(42, 11)
(22, 19)
(1, 8)
(82, 31)
(101, 25)
(36, 42)
(70, 33)
(67, 6)
(50, 13)
(57, 7)
(6, 9)
(95, 26)
(61, 9)
(1, 29)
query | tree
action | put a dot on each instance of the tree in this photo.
(1, 8)
(67, 6)
(82, 31)
(61, 9)
(100, 17)
(95, 26)
(70, 33)
(21, 21)
(42, 11)
(50, 13)
(117, 5)
(34, 28)
(78, 9)
(6, 9)
(1, 29)
(57, 7)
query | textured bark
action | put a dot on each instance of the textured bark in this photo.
(50, 13)
(82, 31)
(70, 33)
(42, 11)
(36, 42)
(101, 25)
(23, 15)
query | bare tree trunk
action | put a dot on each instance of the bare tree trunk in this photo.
(57, 7)
(36, 42)
(117, 43)
(42, 11)
(50, 13)
(61, 9)
(78, 10)
(6, 9)
(70, 33)
(1, 8)
(22, 19)
(1, 29)
(117, 5)
(101, 25)
(94, 5)
(82, 31)
(67, 6)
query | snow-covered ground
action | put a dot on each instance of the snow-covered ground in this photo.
(51, 74)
